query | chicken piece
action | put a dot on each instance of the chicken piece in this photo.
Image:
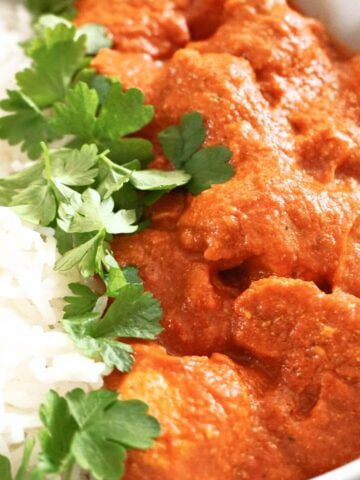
(153, 27)
(290, 205)
(273, 88)
(288, 224)
(224, 89)
(139, 69)
(282, 416)
(287, 211)
(314, 339)
(196, 318)
(307, 79)
(206, 411)
(291, 55)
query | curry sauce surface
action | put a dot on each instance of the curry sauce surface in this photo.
(257, 375)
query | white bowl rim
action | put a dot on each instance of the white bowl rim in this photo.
(350, 471)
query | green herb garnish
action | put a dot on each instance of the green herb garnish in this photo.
(59, 59)
(89, 430)
(182, 146)
(56, 59)
(57, 7)
(76, 191)
(120, 113)
(133, 314)
(97, 36)
(94, 187)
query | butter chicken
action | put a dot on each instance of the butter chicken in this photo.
(256, 374)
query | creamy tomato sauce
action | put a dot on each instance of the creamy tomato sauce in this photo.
(256, 375)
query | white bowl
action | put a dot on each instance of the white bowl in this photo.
(351, 471)
(342, 18)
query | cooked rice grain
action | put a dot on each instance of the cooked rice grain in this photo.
(35, 354)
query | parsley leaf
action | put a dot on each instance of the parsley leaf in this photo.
(91, 430)
(107, 428)
(37, 204)
(131, 275)
(129, 116)
(5, 468)
(116, 354)
(37, 190)
(182, 146)
(58, 7)
(207, 167)
(124, 150)
(181, 142)
(133, 314)
(120, 113)
(23, 471)
(130, 425)
(146, 180)
(5, 196)
(110, 179)
(87, 256)
(114, 177)
(82, 103)
(60, 428)
(117, 278)
(83, 302)
(22, 179)
(26, 124)
(113, 353)
(91, 214)
(97, 36)
(56, 56)
(74, 167)
(55, 59)
(85, 408)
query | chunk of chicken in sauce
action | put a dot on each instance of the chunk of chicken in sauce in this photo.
(155, 27)
(312, 342)
(260, 274)
(207, 411)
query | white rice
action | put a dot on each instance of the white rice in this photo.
(15, 27)
(35, 354)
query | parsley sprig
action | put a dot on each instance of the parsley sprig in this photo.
(77, 191)
(56, 59)
(63, 8)
(59, 58)
(182, 146)
(90, 430)
(97, 36)
(94, 119)
(95, 187)
(133, 313)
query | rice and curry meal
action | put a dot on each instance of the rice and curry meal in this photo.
(180, 242)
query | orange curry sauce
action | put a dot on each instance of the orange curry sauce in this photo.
(256, 375)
